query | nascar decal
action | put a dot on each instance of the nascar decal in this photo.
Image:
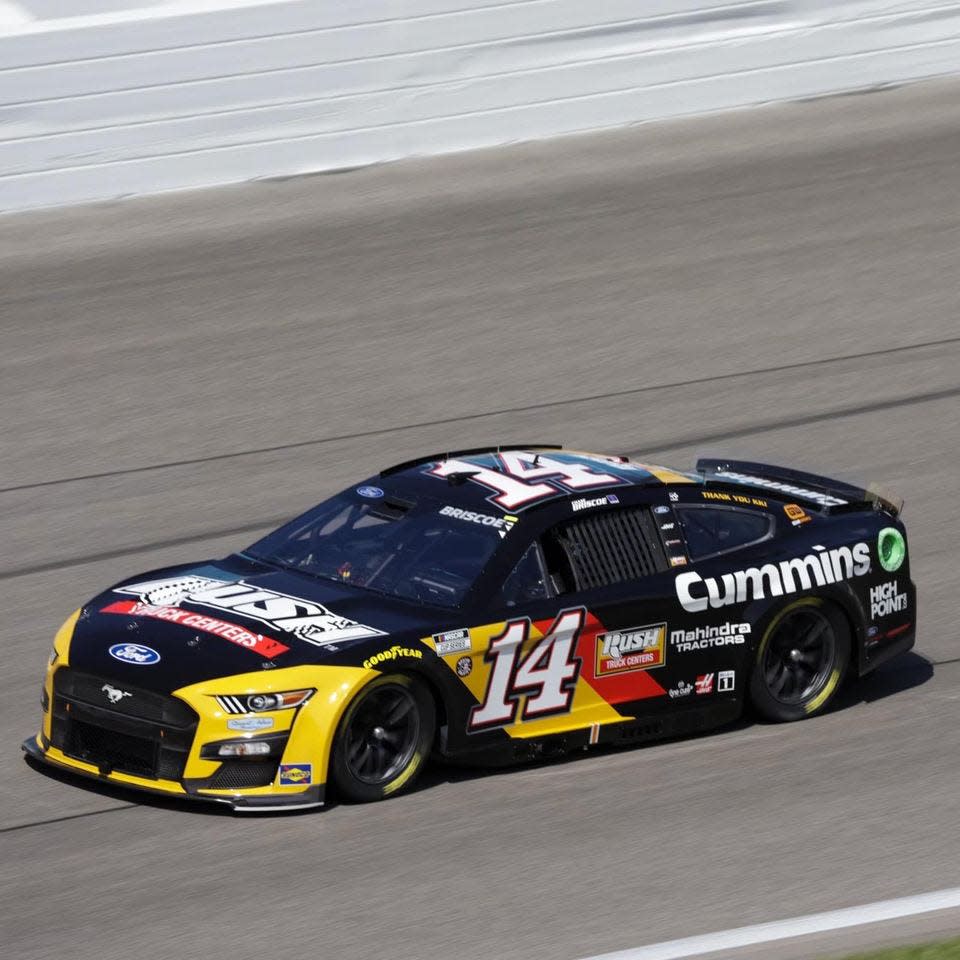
(697, 593)
(265, 646)
(527, 478)
(305, 619)
(636, 648)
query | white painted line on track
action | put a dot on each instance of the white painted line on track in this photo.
(794, 927)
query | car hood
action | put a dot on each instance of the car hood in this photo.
(182, 625)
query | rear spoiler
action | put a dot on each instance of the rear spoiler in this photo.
(830, 496)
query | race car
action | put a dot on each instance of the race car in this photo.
(489, 606)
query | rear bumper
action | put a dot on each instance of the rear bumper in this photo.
(253, 801)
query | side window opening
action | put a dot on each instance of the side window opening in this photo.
(612, 546)
(528, 579)
(714, 530)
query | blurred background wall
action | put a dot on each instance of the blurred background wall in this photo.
(104, 98)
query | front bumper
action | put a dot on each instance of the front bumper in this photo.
(167, 744)
(250, 802)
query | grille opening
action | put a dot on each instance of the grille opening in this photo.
(145, 734)
(110, 749)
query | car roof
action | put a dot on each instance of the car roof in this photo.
(458, 476)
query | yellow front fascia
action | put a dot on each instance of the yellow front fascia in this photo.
(311, 737)
(312, 726)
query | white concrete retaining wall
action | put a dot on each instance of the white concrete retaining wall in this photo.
(98, 100)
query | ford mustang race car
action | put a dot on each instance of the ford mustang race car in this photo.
(489, 606)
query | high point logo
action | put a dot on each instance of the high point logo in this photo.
(697, 593)
(885, 599)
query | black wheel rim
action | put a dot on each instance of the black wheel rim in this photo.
(799, 656)
(381, 735)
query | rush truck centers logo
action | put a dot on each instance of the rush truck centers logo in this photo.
(305, 619)
(636, 648)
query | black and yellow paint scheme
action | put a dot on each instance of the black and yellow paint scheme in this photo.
(597, 616)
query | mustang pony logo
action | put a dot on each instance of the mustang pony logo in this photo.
(305, 619)
(114, 694)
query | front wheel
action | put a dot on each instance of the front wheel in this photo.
(384, 739)
(801, 660)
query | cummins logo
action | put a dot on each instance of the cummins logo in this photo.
(697, 593)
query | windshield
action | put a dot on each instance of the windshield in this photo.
(418, 551)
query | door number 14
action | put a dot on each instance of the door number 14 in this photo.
(546, 676)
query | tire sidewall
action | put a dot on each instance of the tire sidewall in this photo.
(348, 786)
(760, 697)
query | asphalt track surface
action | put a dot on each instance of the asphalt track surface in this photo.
(179, 373)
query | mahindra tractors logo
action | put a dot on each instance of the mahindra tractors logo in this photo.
(697, 593)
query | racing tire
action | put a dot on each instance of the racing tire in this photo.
(801, 660)
(384, 739)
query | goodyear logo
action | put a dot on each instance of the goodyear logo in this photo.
(395, 652)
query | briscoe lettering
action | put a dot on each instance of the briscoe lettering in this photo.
(596, 502)
(726, 634)
(306, 620)
(884, 600)
(393, 653)
(483, 519)
(824, 499)
(697, 593)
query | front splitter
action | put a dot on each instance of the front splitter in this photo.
(308, 799)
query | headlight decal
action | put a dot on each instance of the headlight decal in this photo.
(262, 702)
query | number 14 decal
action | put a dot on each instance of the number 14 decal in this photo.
(547, 675)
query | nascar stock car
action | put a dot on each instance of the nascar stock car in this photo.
(488, 605)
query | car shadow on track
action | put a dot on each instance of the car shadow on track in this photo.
(899, 675)
(906, 671)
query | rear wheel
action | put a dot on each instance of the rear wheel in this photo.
(801, 660)
(384, 738)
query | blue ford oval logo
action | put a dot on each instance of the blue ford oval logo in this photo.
(372, 492)
(134, 653)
